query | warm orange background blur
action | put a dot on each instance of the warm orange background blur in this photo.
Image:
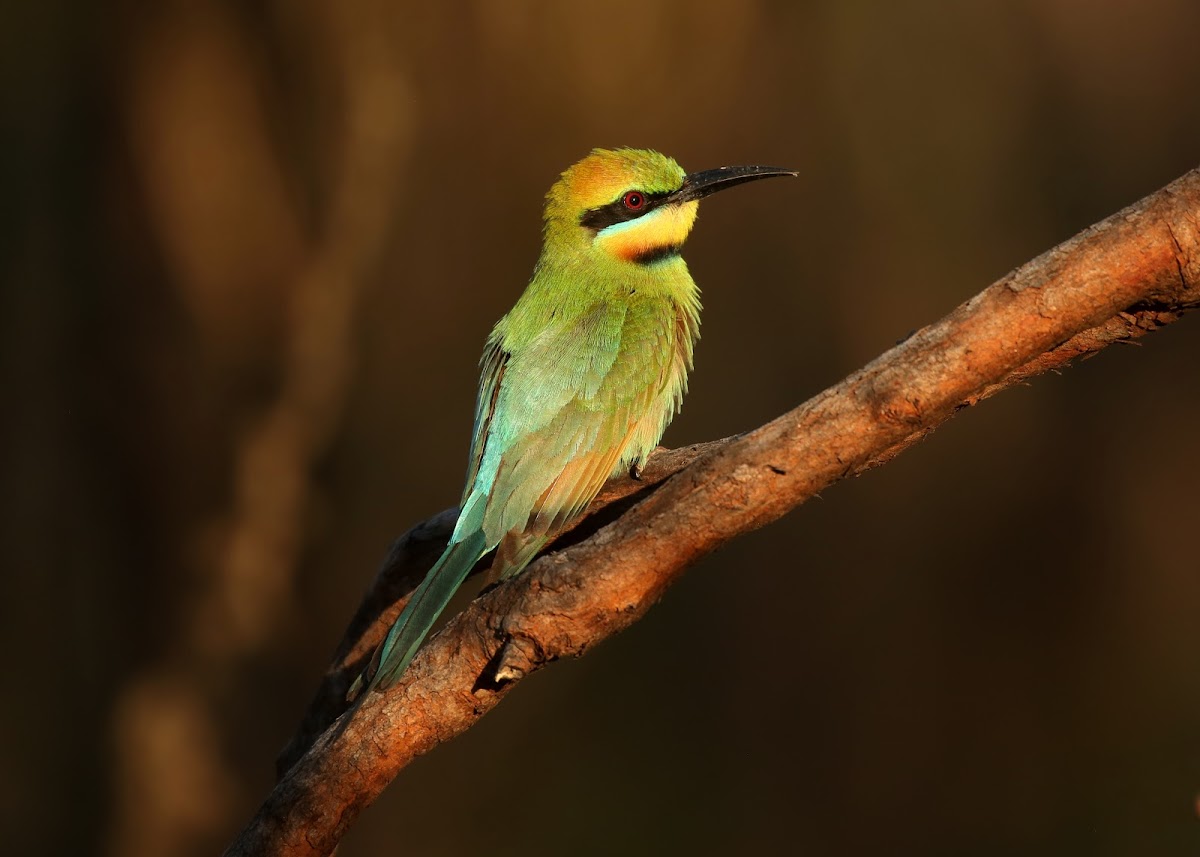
(251, 254)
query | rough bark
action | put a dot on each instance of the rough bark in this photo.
(1132, 273)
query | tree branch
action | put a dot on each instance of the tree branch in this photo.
(1130, 274)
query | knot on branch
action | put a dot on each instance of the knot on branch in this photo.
(516, 658)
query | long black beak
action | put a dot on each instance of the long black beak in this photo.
(700, 185)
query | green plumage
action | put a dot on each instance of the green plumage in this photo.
(582, 376)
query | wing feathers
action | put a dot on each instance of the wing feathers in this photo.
(557, 418)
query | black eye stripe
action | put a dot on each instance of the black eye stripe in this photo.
(596, 219)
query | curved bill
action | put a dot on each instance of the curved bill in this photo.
(700, 185)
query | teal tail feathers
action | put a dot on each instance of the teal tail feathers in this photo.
(426, 604)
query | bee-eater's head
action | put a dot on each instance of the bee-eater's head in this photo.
(635, 205)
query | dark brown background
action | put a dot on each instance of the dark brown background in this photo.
(251, 254)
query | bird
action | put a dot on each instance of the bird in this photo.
(582, 376)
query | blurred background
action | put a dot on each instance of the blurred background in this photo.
(250, 253)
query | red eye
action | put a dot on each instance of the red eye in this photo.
(634, 200)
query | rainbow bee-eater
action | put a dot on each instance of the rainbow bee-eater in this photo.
(581, 378)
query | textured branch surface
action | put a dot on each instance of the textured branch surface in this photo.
(1134, 272)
